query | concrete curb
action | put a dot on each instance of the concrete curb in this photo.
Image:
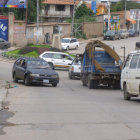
(3, 93)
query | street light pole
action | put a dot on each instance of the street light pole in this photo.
(108, 14)
(37, 22)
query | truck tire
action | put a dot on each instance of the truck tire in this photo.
(90, 83)
(94, 83)
(116, 85)
(83, 80)
(125, 93)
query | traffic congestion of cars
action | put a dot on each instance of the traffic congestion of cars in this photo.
(42, 70)
(120, 34)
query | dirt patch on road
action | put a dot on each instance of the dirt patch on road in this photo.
(4, 116)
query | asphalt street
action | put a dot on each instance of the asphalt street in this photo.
(67, 112)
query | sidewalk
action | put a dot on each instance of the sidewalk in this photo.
(3, 92)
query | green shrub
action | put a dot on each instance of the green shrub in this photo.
(32, 54)
(13, 52)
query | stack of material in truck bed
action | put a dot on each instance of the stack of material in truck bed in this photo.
(90, 48)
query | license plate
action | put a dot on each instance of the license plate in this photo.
(46, 81)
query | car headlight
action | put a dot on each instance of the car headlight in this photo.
(34, 75)
(54, 76)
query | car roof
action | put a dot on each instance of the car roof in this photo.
(31, 58)
(68, 38)
(135, 52)
(54, 52)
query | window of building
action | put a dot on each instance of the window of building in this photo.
(59, 7)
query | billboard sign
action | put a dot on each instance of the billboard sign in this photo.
(13, 3)
(4, 29)
(93, 6)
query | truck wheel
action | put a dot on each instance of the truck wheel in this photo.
(116, 85)
(94, 83)
(83, 80)
(90, 83)
(125, 93)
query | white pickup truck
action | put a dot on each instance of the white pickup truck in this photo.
(75, 68)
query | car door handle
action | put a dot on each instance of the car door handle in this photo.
(63, 61)
(52, 59)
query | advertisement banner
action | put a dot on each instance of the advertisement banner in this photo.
(13, 3)
(4, 29)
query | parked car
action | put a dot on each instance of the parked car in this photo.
(4, 44)
(75, 68)
(123, 33)
(57, 59)
(111, 35)
(133, 33)
(69, 43)
(34, 70)
(130, 76)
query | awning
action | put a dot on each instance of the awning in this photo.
(131, 20)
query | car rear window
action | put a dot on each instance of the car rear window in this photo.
(134, 61)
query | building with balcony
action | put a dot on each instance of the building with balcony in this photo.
(57, 10)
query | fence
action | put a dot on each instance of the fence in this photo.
(93, 29)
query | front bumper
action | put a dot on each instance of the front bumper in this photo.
(64, 47)
(76, 74)
(44, 80)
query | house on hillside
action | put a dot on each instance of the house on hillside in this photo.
(57, 10)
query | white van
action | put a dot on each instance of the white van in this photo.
(69, 43)
(130, 76)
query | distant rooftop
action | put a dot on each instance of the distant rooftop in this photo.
(61, 2)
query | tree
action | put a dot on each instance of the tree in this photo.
(20, 13)
(120, 6)
(83, 11)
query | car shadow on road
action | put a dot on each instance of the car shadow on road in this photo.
(34, 84)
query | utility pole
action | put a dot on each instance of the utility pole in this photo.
(108, 14)
(125, 9)
(73, 16)
(37, 23)
(26, 15)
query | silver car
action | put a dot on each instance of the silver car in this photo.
(4, 44)
(124, 33)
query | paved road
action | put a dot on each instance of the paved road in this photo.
(68, 112)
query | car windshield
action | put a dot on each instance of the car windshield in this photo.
(110, 32)
(65, 40)
(131, 31)
(37, 64)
